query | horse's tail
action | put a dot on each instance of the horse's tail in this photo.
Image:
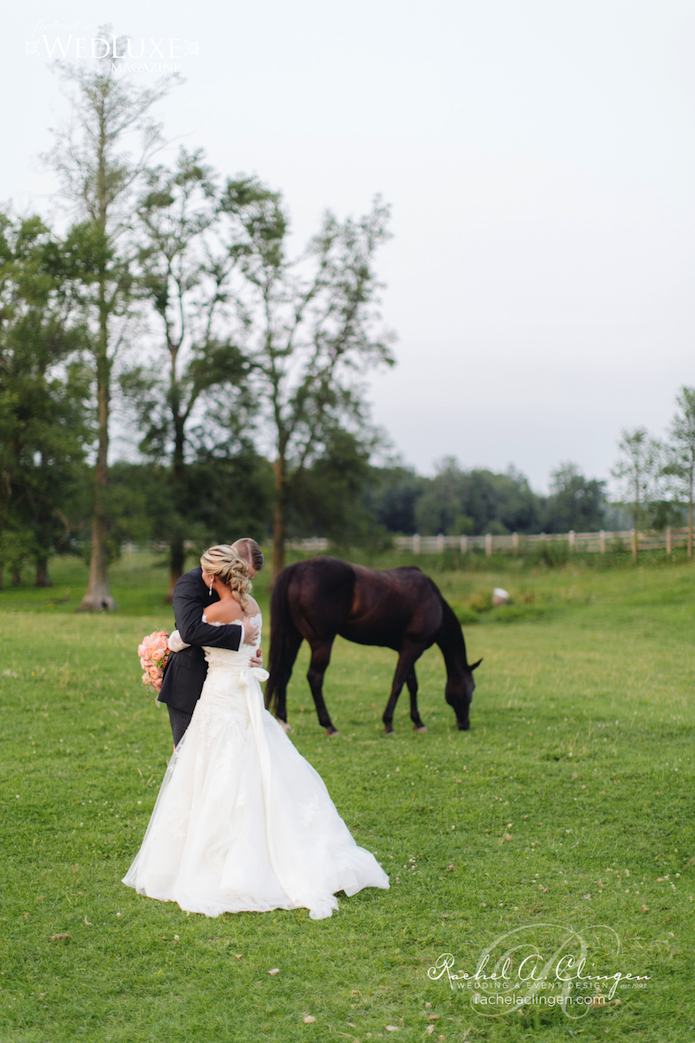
(285, 639)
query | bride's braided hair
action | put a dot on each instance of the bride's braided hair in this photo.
(225, 563)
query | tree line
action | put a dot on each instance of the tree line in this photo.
(654, 478)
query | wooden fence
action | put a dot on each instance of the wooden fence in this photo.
(516, 543)
(511, 543)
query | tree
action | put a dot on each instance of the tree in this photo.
(44, 425)
(309, 336)
(392, 495)
(476, 501)
(637, 471)
(99, 175)
(575, 502)
(680, 453)
(228, 495)
(187, 257)
(328, 495)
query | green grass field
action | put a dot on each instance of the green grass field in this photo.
(567, 805)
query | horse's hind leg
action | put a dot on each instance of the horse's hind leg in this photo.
(320, 658)
(411, 681)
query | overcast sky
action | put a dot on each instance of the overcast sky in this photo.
(538, 156)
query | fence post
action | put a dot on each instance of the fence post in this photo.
(668, 539)
(588, 541)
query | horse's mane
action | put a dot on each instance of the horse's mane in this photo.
(449, 637)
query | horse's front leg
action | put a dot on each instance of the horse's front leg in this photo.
(404, 667)
(411, 681)
(320, 658)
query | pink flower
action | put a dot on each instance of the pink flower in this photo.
(153, 652)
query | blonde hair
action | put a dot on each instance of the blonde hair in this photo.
(224, 562)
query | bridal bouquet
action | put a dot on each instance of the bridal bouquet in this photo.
(154, 652)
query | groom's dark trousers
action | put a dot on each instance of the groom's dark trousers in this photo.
(185, 672)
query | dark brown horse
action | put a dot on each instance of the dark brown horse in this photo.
(399, 608)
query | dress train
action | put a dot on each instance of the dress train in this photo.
(242, 820)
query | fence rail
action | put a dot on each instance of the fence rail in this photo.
(516, 543)
(513, 542)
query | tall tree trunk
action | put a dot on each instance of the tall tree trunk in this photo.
(98, 596)
(177, 551)
(279, 517)
(177, 561)
(42, 577)
(16, 578)
(44, 540)
(690, 525)
(636, 515)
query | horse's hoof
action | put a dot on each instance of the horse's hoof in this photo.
(285, 727)
(390, 734)
(421, 728)
(331, 732)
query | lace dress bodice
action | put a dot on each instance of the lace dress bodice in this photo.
(228, 659)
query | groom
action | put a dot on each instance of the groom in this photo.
(185, 672)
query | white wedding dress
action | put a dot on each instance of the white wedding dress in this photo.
(242, 820)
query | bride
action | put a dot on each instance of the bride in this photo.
(242, 820)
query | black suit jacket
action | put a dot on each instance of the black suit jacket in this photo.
(185, 672)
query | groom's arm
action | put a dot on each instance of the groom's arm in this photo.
(188, 611)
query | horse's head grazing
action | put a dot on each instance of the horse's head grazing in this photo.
(459, 695)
